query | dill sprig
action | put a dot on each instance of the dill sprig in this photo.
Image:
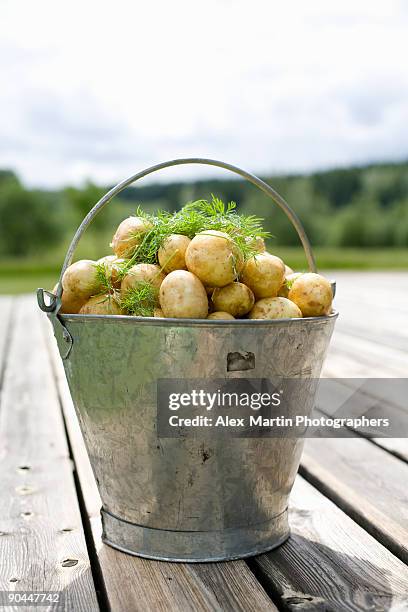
(193, 218)
(104, 278)
(242, 229)
(141, 300)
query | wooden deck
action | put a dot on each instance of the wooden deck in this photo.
(349, 506)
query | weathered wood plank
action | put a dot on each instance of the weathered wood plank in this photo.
(42, 544)
(362, 362)
(395, 408)
(396, 446)
(364, 299)
(6, 304)
(330, 563)
(350, 356)
(136, 584)
(367, 482)
(373, 397)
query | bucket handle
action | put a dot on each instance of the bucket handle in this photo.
(267, 189)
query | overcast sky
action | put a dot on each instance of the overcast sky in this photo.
(95, 89)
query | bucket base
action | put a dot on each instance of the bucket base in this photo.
(194, 546)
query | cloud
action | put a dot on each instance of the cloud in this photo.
(100, 90)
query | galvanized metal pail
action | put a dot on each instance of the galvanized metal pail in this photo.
(183, 499)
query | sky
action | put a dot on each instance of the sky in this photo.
(99, 90)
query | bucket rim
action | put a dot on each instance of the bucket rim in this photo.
(172, 322)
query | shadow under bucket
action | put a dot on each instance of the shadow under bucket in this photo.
(184, 499)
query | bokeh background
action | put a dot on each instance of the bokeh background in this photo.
(311, 96)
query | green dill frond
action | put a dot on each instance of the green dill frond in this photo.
(193, 218)
(242, 229)
(186, 222)
(142, 213)
(215, 208)
(104, 278)
(122, 269)
(141, 300)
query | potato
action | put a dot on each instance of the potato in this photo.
(112, 266)
(218, 314)
(287, 283)
(171, 254)
(129, 235)
(288, 270)
(235, 298)
(101, 305)
(275, 308)
(264, 274)
(313, 294)
(258, 243)
(142, 272)
(209, 290)
(158, 313)
(80, 279)
(182, 295)
(70, 303)
(213, 258)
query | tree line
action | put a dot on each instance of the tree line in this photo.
(349, 207)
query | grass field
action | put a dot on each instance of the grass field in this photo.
(24, 276)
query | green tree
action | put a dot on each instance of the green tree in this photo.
(28, 222)
(362, 224)
(340, 187)
(80, 200)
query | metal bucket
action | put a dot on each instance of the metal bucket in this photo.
(183, 499)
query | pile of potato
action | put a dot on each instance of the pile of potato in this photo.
(203, 277)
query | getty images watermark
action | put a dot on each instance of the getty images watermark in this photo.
(283, 407)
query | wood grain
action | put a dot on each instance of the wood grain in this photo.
(42, 544)
(370, 339)
(330, 563)
(387, 399)
(6, 305)
(396, 446)
(132, 583)
(350, 357)
(367, 482)
(374, 306)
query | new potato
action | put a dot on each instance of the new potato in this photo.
(101, 305)
(171, 254)
(264, 274)
(258, 243)
(275, 308)
(219, 315)
(287, 283)
(80, 279)
(208, 276)
(149, 273)
(313, 294)
(182, 295)
(235, 298)
(112, 264)
(213, 258)
(129, 235)
(70, 303)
